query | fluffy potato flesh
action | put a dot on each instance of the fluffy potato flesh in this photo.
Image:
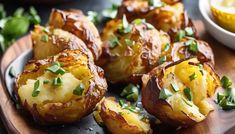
(48, 42)
(177, 109)
(119, 120)
(59, 104)
(135, 53)
(75, 22)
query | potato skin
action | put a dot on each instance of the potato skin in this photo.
(76, 22)
(204, 55)
(152, 84)
(116, 123)
(74, 108)
(58, 40)
(124, 64)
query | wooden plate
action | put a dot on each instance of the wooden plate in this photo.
(217, 122)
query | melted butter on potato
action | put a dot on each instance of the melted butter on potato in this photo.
(120, 120)
(49, 92)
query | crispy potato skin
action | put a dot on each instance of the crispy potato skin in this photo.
(58, 40)
(170, 18)
(76, 22)
(128, 63)
(204, 55)
(69, 109)
(117, 123)
(167, 110)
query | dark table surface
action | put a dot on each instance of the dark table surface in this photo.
(86, 5)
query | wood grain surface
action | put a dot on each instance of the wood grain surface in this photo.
(217, 122)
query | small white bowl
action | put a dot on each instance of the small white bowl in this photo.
(222, 35)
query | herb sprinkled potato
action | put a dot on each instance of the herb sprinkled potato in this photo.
(176, 94)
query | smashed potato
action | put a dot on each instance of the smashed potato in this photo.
(176, 94)
(61, 89)
(76, 22)
(48, 42)
(130, 49)
(120, 120)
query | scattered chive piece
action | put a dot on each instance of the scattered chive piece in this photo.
(131, 92)
(46, 81)
(226, 82)
(193, 47)
(180, 35)
(79, 89)
(134, 109)
(175, 87)
(123, 104)
(167, 47)
(193, 76)
(188, 93)
(56, 68)
(57, 81)
(162, 60)
(113, 42)
(227, 99)
(149, 26)
(129, 42)
(187, 102)
(189, 31)
(125, 28)
(44, 38)
(220, 96)
(156, 3)
(164, 94)
(138, 21)
(12, 72)
(36, 89)
(110, 12)
(93, 17)
(201, 68)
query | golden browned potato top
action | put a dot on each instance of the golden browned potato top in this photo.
(75, 22)
(130, 49)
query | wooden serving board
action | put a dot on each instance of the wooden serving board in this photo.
(217, 122)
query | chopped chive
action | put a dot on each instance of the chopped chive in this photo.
(175, 87)
(44, 38)
(180, 35)
(46, 81)
(156, 3)
(164, 94)
(193, 76)
(193, 47)
(36, 89)
(201, 68)
(187, 102)
(189, 31)
(79, 89)
(226, 82)
(93, 17)
(162, 60)
(167, 47)
(129, 42)
(149, 26)
(126, 27)
(134, 109)
(132, 97)
(56, 68)
(57, 81)
(131, 92)
(110, 12)
(123, 104)
(113, 42)
(138, 21)
(188, 93)
(12, 72)
(220, 96)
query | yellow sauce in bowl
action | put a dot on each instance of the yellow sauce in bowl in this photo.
(224, 13)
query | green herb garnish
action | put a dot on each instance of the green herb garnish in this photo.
(12, 72)
(193, 76)
(126, 27)
(162, 60)
(113, 42)
(226, 82)
(36, 89)
(123, 104)
(175, 87)
(56, 69)
(57, 81)
(44, 38)
(156, 3)
(188, 102)
(110, 12)
(188, 93)
(138, 21)
(164, 94)
(129, 42)
(189, 31)
(46, 81)
(227, 99)
(180, 35)
(93, 17)
(79, 89)
(131, 92)
(193, 47)
(167, 47)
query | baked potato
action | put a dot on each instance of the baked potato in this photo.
(169, 18)
(49, 42)
(132, 51)
(61, 89)
(176, 93)
(190, 47)
(121, 119)
(76, 22)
